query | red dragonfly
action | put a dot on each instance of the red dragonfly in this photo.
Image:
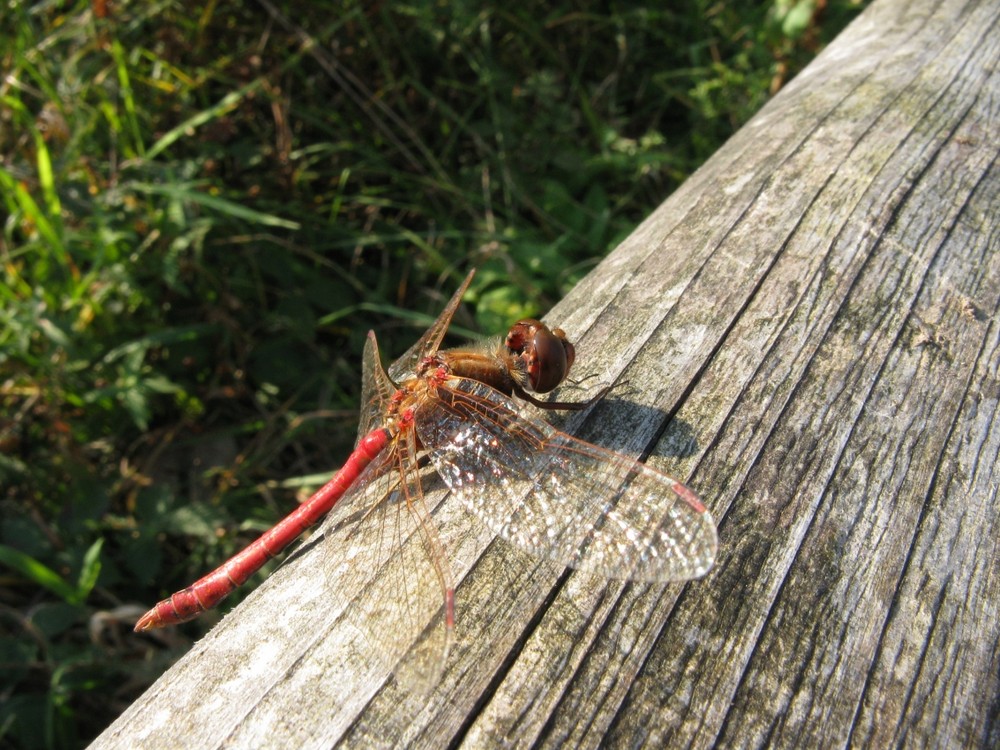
(553, 495)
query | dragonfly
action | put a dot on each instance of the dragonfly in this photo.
(461, 413)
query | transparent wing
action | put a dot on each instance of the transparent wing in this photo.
(385, 563)
(376, 388)
(560, 497)
(431, 340)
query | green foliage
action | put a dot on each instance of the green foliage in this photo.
(205, 208)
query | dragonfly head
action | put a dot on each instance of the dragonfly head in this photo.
(544, 353)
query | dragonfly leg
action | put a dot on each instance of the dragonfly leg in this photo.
(522, 394)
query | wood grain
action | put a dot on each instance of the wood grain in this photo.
(808, 329)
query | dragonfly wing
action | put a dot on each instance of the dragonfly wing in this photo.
(386, 564)
(562, 498)
(429, 343)
(376, 388)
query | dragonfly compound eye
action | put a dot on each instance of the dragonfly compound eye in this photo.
(546, 354)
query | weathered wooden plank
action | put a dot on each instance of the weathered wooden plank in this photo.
(809, 333)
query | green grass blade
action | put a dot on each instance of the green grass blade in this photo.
(38, 573)
(224, 106)
(90, 571)
(32, 212)
(128, 98)
(221, 205)
(159, 338)
(47, 182)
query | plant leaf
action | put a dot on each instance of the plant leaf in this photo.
(90, 570)
(38, 572)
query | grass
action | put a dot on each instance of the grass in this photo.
(208, 205)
